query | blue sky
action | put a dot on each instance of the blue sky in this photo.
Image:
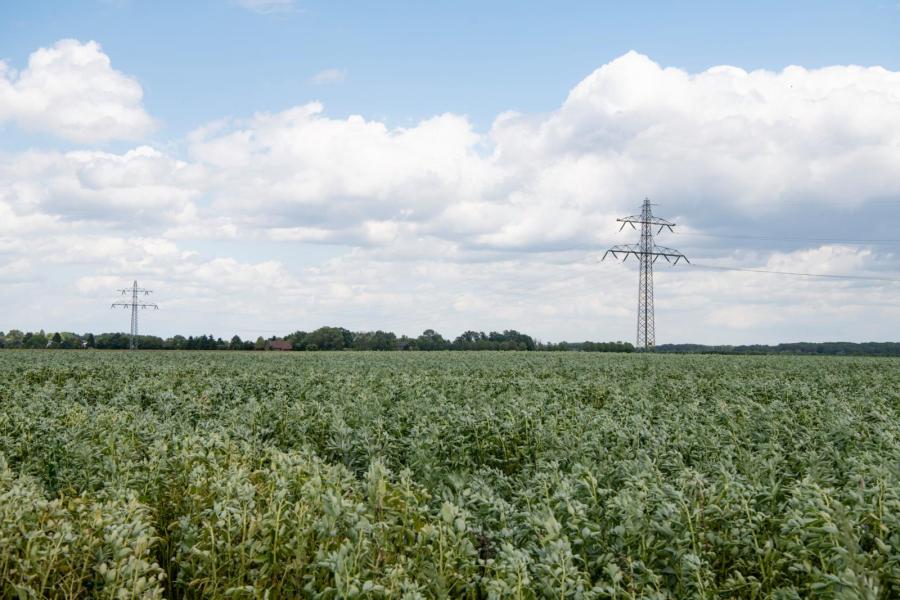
(405, 61)
(439, 206)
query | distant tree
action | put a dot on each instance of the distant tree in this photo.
(329, 338)
(297, 339)
(56, 341)
(587, 347)
(236, 343)
(469, 340)
(35, 340)
(431, 340)
(14, 338)
(260, 344)
(374, 340)
(112, 341)
(69, 340)
(150, 342)
(511, 339)
(89, 338)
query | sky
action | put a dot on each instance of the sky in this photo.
(266, 166)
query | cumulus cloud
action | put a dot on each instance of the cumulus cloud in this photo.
(750, 141)
(717, 146)
(138, 189)
(300, 173)
(721, 144)
(71, 90)
(440, 225)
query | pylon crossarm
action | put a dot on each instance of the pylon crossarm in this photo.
(639, 220)
(625, 249)
(639, 253)
(670, 253)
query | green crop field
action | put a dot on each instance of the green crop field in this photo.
(422, 475)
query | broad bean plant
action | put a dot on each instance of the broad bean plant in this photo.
(448, 475)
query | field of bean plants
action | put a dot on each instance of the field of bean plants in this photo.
(448, 475)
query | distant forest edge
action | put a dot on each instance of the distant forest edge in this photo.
(804, 348)
(324, 338)
(338, 338)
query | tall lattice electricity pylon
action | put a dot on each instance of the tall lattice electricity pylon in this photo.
(134, 305)
(647, 253)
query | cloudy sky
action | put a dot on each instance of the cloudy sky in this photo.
(269, 165)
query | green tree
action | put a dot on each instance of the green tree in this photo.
(112, 341)
(374, 340)
(69, 340)
(298, 339)
(14, 338)
(431, 340)
(329, 338)
(35, 340)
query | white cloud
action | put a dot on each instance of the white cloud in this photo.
(268, 6)
(141, 188)
(300, 173)
(722, 143)
(329, 76)
(71, 90)
(752, 141)
(439, 225)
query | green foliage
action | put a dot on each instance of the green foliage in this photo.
(74, 546)
(420, 475)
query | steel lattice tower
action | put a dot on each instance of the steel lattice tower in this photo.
(647, 253)
(134, 305)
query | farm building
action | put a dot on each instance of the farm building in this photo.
(279, 345)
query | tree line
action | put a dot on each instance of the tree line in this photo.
(339, 338)
(802, 348)
(323, 338)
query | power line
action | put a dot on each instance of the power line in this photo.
(797, 274)
(134, 304)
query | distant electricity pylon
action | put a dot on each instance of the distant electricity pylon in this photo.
(647, 253)
(134, 305)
